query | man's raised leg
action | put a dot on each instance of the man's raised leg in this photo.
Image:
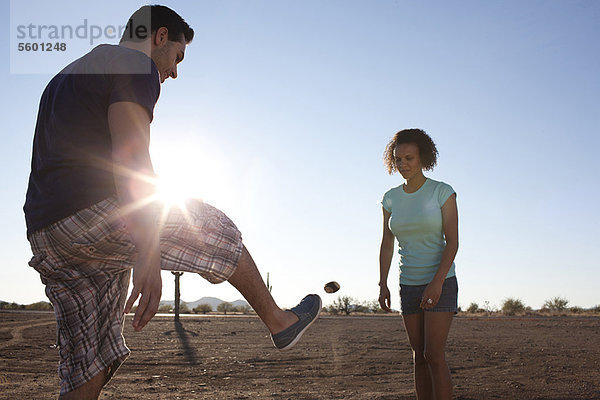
(247, 280)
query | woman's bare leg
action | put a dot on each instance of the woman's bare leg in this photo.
(437, 325)
(415, 329)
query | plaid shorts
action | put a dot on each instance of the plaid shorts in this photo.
(85, 261)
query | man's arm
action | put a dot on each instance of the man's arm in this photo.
(130, 132)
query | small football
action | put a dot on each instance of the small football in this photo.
(332, 287)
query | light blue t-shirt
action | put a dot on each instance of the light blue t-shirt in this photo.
(416, 221)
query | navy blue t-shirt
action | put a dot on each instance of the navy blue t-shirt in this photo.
(71, 167)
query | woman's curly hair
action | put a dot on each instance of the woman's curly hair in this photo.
(427, 150)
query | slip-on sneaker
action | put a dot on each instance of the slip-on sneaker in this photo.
(307, 311)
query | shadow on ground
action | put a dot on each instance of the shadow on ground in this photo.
(189, 354)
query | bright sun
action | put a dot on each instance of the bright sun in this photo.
(174, 190)
(186, 174)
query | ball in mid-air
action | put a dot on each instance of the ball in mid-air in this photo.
(332, 287)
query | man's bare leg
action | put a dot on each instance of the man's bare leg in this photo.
(89, 390)
(247, 280)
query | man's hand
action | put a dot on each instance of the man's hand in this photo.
(147, 282)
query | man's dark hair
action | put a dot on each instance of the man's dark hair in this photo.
(427, 150)
(148, 19)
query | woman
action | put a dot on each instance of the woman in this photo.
(422, 215)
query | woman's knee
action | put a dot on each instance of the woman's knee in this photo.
(419, 357)
(434, 357)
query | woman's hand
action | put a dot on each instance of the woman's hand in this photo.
(432, 292)
(384, 298)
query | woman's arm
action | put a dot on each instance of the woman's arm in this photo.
(450, 227)
(386, 252)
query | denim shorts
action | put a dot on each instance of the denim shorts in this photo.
(411, 296)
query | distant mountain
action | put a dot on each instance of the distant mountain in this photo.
(213, 301)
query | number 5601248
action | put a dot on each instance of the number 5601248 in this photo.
(58, 46)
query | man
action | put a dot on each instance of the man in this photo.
(91, 215)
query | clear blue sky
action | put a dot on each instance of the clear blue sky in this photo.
(289, 106)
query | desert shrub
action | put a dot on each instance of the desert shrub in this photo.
(226, 307)
(39, 306)
(374, 306)
(245, 309)
(576, 310)
(473, 308)
(165, 309)
(489, 308)
(344, 304)
(512, 306)
(203, 308)
(11, 306)
(332, 309)
(360, 308)
(184, 309)
(595, 309)
(555, 304)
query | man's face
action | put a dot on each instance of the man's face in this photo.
(166, 55)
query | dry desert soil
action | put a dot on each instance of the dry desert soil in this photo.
(212, 357)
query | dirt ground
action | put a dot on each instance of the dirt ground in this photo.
(338, 358)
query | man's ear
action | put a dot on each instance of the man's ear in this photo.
(161, 36)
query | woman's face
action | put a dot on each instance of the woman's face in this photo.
(408, 160)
